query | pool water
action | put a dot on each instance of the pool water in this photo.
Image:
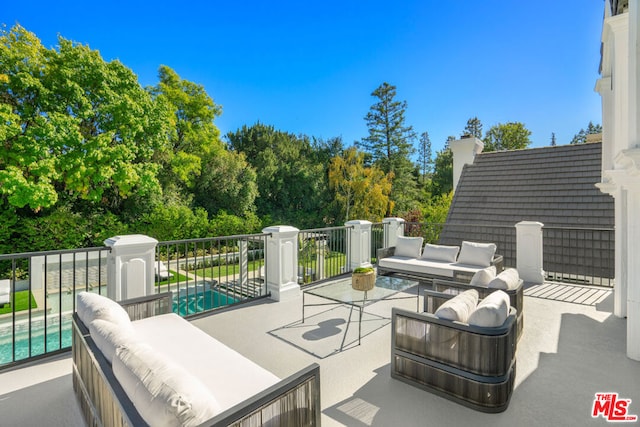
(58, 336)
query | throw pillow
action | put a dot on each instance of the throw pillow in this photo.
(92, 306)
(483, 277)
(479, 254)
(508, 279)
(163, 392)
(491, 311)
(459, 307)
(408, 246)
(440, 252)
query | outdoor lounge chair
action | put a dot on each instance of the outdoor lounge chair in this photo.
(5, 292)
(161, 270)
(469, 364)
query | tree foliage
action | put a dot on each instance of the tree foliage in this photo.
(390, 145)
(361, 192)
(473, 128)
(581, 137)
(74, 126)
(507, 136)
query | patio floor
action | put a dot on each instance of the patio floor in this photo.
(568, 352)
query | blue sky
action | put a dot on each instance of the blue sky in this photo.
(309, 67)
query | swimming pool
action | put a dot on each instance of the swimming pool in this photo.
(195, 299)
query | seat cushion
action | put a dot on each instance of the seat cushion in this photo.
(417, 266)
(508, 279)
(163, 392)
(92, 306)
(229, 376)
(492, 311)
(479, 254)
(440, 253)
(408, 246)
(459, 307)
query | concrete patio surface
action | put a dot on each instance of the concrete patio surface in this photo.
(568, 352)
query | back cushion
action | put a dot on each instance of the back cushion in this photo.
(508, 279)
(408, 246)
(92, 306)
(491, 311)
(478, 254)
(440, 252)
(108, 336)
(164, 393)
(483, 277)
(459, 307)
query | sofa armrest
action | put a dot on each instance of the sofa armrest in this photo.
(294, 401)
(148, 306)
(385, 252)
(498, 261)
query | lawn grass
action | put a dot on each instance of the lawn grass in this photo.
(22, 302)
(226, 270)
(175, 278)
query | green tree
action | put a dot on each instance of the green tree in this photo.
(291, 183)
(507, 136)
(581, 137)
(362, 192)
(73, 126)
(473, 128)
(425, 154)
(442, 180)
(390, 145)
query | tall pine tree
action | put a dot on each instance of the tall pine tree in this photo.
(390, 145)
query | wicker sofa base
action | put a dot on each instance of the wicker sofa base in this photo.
(485, 394)
(294, 401)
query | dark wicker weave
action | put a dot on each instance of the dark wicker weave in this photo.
(294, 401)
(470, 365)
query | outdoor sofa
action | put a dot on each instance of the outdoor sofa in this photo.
(457, 263)
(137, 364)
(465, 351)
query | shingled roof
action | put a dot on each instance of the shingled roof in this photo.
(552, 185)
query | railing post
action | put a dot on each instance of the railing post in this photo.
(359, 244)
(529, 251)
(130, 266)
(393, 227)
(281, 260)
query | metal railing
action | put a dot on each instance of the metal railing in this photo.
(36, 321)
(579, 255)
(322, 254)
(206, 274)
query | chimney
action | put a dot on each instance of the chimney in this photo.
(464, 151)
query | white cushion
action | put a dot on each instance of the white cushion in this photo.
(459, 307)
(232, 379)
(440, 252)
(5, 286)
(92, 306)
(408, 246)
(484, 276)
(508, 279)
(491, 311)
(479, 254)
(164, 393)
(108, 336)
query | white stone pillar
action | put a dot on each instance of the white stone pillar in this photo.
(281, 260)
(358, 244)
(321, 249)
(529, 251)
(130, 266)
(393, 227)
(633, 271)
(464, 151)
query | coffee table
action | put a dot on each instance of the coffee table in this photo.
(341, 292)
